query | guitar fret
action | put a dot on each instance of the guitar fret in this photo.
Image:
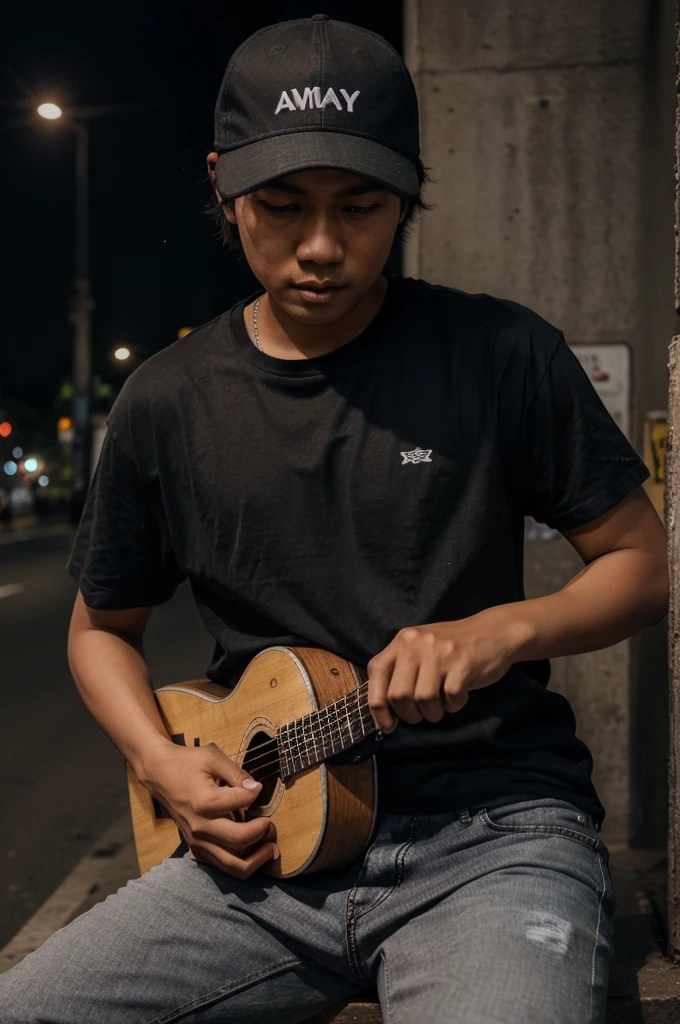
(283, 751)
(294, 745)
(321, 734)
(311, 738)
(306, 726)
(361, 715)
(313, 735)
(291, 753)
(349, 722)
(330, 728)
(300, 741)
(341, 739)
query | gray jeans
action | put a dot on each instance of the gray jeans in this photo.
(503, 916)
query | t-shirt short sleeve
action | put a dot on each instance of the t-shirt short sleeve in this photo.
(120, 557)
(571, 462)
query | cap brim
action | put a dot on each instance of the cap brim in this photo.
(249, 167)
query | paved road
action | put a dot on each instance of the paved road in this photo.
(62, 783)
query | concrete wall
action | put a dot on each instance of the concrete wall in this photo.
(544, 125)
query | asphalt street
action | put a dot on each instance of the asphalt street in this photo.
(62, 782)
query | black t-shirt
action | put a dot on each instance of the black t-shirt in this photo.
(329, 502)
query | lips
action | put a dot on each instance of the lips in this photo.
(317, 292)
(314, 286)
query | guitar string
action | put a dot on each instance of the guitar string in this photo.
(333, 730)
(333, 734)
(277, 761)
(351, 694)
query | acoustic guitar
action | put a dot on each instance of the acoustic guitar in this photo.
(292, 710)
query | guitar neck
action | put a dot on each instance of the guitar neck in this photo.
(321, 734)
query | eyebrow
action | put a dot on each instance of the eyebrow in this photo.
(353, 190)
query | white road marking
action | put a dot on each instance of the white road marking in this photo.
(112, 848)
(11, 589)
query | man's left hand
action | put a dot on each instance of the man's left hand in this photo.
(429, 669)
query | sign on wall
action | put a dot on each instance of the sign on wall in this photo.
(609, 367)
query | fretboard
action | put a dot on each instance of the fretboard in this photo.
(321, 734)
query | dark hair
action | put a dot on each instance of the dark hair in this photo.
(229, 232)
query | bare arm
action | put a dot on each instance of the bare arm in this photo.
(622, 587)
(429, 669)
(107, 662)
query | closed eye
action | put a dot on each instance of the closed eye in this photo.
(288, 208)
(356, 211)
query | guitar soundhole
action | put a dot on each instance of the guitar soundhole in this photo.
(262, 762)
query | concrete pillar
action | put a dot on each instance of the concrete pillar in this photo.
(542, 126)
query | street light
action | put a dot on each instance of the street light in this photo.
(81, 309)
(50, 111)
(77, 120)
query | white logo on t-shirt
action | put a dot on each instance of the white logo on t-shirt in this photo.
(417, 455)
(311, 97)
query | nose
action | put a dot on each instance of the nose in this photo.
(320, 241)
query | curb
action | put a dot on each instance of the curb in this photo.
(107, 866)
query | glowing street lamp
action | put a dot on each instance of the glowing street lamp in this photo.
(50, 111)
(122, 353)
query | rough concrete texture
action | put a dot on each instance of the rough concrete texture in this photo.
(535, 181)
(502, 35)
(535, 123)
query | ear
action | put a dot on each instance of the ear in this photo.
(211, 161)
(227, 208)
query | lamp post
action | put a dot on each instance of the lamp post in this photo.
(81, 310)
(77, 120)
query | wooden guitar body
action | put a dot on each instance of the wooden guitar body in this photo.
(324, 814)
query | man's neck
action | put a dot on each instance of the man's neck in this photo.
(285, 337)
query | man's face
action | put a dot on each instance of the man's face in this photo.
(317, 240)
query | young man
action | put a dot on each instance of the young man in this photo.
(344, 461)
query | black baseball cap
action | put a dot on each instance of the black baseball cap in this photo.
(315, 92)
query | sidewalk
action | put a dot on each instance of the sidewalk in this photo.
(644, 988)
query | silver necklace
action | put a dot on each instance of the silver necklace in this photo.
(255, 330)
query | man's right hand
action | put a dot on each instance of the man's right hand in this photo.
(202, 789)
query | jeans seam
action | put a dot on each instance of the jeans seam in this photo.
(386, 1009)
(401, 857)
(589, 841)
(225, 990)
(352, 946)
(597, 936)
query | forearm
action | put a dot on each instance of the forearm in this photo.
(611, 598)
(113, 680)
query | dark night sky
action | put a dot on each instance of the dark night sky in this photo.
(156, 264)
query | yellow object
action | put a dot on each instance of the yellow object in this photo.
(183, 331)
(655, 435)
